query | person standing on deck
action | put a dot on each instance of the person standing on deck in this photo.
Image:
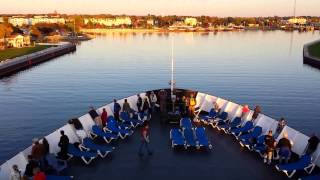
(95, 116)
(163, 100)
(284, 146)
(245, 111)
(192, 104)
(183, 105)
(104, 116)
(139, 103)
(153, 101)
(256, 112)
(15, 173)
(270, 143)
(312, 144)
(145, 139)
(116, 109)
(63, 144)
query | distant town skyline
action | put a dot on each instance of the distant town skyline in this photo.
(221, 8)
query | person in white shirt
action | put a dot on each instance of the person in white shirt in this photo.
(15, 173)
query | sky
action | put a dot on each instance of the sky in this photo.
(219, 8)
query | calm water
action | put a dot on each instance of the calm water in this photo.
(247, 67)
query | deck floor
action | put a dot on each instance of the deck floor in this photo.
(227, 160)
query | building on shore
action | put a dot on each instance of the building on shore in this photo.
(17, 41)
(117, 21)
(22, 20)
(150, 22)
(191, 21)
(1, 20)
(297, 21)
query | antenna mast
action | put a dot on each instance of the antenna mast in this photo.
(172, 82)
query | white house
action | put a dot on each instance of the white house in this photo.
(191, 21)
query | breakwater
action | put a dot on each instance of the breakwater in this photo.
(23, 62)
(308, 58)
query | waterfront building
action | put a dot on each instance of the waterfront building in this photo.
(2, 44)
(1, 20)
(109, 21)
(190, 21)
(46, 19)
(19, 20)
(17, 41)
(150, 22)
(297, 21)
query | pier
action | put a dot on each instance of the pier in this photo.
(309, 58)
(23, 62)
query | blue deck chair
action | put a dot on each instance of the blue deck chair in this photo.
(190, 138)
(58, 164)
(176, 137)
(126, 118)
(238, 131)
(313, 177)
(86, 156)
(119, 124)
(102, 150)
(211, 116)
(113, 127)
(202, 138)
(260, 147)
(142, 116)
(107, 136)
(222, 118)
(226, 127)
(245, 140)
(304, 163)
(185, 123)
(52, 177)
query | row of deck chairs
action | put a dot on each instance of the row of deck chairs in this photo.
(88, 150)
(189, 137)
(246, 132)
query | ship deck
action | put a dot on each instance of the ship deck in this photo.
(227, 160)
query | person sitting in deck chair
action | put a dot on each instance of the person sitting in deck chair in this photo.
(95, 116)
(63, 144)
(81, 133)
(284, 146)
(281, 124)
(270, 143)
(312, 144)
(192, 104)
(116, 109)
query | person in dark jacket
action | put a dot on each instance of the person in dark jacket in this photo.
(37, 150)
(63, 144)
(104, 117)
(28, 174)
(139, 103)
(46, 147)
(284, 146)
(116, 109)
(256, 112)
(312, 144)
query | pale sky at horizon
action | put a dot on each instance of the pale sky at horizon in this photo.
(164, 7)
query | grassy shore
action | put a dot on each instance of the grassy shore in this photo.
(314, 50)
(16, 52)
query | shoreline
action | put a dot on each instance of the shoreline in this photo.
(308, 58)
(14, 65)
